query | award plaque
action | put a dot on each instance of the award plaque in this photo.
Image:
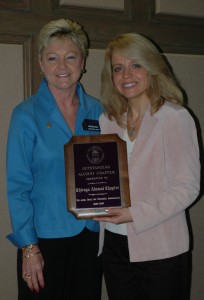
(96, 174)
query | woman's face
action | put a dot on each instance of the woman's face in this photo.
(130, 79)
(61, 62)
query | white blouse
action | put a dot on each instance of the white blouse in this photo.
(121, 228)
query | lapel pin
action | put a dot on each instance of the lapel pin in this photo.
(49, 125)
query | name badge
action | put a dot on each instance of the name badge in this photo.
(91, 125)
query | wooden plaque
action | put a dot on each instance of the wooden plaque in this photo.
(96, 174)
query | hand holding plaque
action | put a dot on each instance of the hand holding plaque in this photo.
(96, 174)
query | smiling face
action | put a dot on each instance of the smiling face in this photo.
(61, 62)
(130, 79)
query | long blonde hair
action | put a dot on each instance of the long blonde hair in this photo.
(163, 85)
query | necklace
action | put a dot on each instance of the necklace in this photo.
(134, 127)
(132, 131)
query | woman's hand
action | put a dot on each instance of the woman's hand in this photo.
(116, 216)
(32, 269)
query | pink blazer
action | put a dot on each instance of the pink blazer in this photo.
(164, 175)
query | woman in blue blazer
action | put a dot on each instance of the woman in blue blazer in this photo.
(57, 254)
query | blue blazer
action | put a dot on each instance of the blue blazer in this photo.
(35, 167)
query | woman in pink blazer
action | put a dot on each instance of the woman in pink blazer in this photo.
(146, 246)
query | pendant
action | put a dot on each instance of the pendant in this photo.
(132, 131)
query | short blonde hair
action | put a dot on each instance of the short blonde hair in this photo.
(64, 28)
(162, 84)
